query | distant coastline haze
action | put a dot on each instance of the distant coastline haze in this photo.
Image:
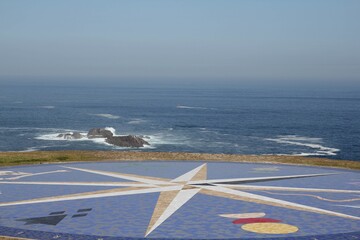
(169, 42)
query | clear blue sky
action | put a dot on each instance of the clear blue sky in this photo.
(201, 40)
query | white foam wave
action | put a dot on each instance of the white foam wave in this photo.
(165, 139)
(302, 154)
(30, 149)
(194, 107)
(299, 138)
(54, 137)
(37, 129)
(137, 121)
(154, 140)
(98, 141)
(111, 129)
(313, 143)
(106, 115)
(47, 107)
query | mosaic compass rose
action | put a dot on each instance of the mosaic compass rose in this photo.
(175, 193)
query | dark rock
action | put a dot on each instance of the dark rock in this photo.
(127, 141)
(77, 135)
(121, 141)
(67, 136)
(99, 133)
(74, 135)
(143, 136)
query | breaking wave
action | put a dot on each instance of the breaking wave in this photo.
(112, 130)
(194, 107)
(47, 107)
(312, 143)
(106, 115)
(54, 136)
(137, 121)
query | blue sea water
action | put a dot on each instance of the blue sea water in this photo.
(314, 122)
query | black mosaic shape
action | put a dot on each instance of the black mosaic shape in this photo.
(79, 215)
(56, 213)
(49, 220)
(84, 210)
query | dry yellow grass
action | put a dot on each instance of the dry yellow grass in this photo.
(13, 238)
(24, 158)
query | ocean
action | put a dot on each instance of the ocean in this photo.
(264, 121)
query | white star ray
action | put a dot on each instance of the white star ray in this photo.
(169, 203)
(257, 179)
(91, 195)
(189, 175)
(131, 177)
(273, 201)
(290, 189)
(181, 198)
(349, 206)
(100, 184)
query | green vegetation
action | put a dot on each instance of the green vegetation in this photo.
(41, 157)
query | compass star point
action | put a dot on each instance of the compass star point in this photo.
(175, 193)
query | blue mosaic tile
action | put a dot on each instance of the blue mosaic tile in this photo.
(46, 202)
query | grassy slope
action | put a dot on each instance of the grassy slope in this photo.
(22, 158)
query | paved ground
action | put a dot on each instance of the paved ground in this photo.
(179, 200)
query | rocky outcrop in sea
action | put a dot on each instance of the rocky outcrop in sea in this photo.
(127, 141)
(75, 135)
(99, 133)
(120, 141)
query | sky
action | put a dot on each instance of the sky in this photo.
(201, 41)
